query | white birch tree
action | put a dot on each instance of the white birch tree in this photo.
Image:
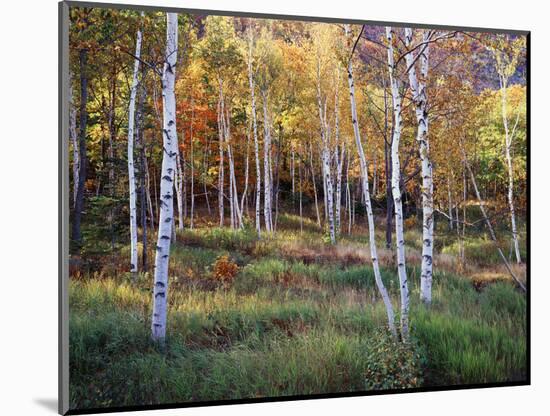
(162, 256)
(507, 53)
(396, 189)
(420, 100)
(367, 200)
(131, 169)
(252, 87)
(74, 140)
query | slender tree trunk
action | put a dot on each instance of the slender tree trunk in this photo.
(246, 169)
(178, 184)
(367, 201)
(340, 154)
(255, 132)
(389, 197)
(142, 170)
(74, 141)
(420, 99)
(396, 191)
(300, 190)
(170, 151)
(450, 203)
(325, 158)
(508, 144)
(131, 168)
(267, 167)
(192, 174)
(314, 184)
(79, 203)
(221, 167)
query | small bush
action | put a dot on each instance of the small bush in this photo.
(225, 270)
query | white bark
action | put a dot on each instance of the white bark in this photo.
(508, 144)
(178, 185)
(339, 156)
(325, 158)
(162, 256)
(74, 141)
(131, 169)
(314, 184)
(396, 191)
(420, 99)
(367, 201)
(267, 167)
(255, 132)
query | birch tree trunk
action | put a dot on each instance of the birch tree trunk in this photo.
(396, 191)
(79, 203)
(420, 99)
(192, 163)
(221, 168)
(339, 157)
(366, 199)
(162, 257)
(178, 185)
(325, 158)
(74, 141)
(314, 185)
(508, 144)
(267, 167)
(131, 169)
(255, 132)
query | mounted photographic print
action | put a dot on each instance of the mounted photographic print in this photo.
(260, 208)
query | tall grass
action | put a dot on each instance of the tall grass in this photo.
(299, 318)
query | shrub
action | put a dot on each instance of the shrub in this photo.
(225, 270)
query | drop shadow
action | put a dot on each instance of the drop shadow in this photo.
(49, 404)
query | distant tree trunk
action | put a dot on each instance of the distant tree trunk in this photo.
(255, 131)
(314, 184)
(389, 197)
(178, 184)
(267, 167)
(79, 203)
(450, 203)
(396, 191)
(74, 141)
(420, 99)
(162, 257)
(508, 137)
(367, 201)
(206, 156)
(140, 143)
(236, 217)
(325, 158)
(221, 165)
(192, 174)
(148, 191)
(488, 222)
(246, 170)
(339, 157)
(131, 168)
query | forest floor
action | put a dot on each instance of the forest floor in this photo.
(291, 315)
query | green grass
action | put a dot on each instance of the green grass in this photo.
(284, 327)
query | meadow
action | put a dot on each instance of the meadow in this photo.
(290, 314)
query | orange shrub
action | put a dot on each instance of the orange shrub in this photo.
(225, 270)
